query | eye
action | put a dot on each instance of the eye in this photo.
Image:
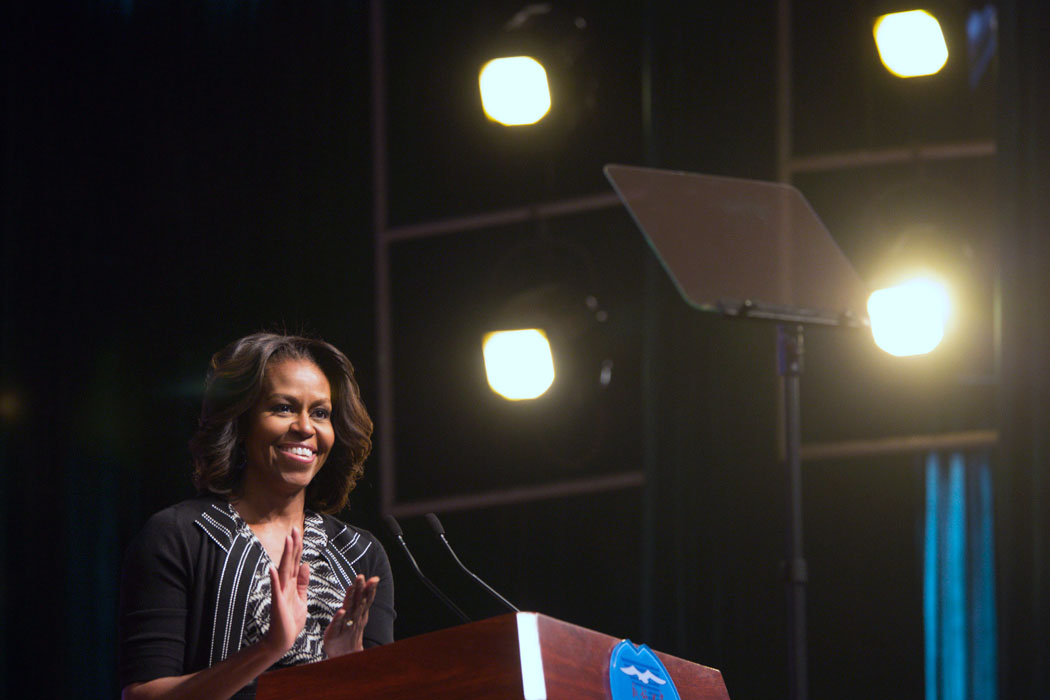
(322, 413)
(281, 408)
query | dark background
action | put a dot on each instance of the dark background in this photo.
(178, 174)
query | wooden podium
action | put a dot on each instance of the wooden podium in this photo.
(525, 656)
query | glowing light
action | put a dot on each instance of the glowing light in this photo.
(518, 364)
(910, 43)
(910, 318)
(514, 90)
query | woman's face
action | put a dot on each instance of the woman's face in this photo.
(290, 429)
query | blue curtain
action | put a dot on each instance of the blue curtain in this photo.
(959, 579)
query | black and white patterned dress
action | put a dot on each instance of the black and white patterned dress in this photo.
(324, 595)
(196, 588)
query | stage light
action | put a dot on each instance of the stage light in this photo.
(910, 44)
(514, 90)
(909, 318)
(518, 363)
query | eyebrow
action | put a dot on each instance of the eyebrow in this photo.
(291, 399)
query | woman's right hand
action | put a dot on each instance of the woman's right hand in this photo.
(288, 592)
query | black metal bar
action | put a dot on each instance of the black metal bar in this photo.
(790, 355)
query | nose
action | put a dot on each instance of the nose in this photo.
(302, 424)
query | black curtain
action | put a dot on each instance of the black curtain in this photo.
(1023, 473)
(175, 175)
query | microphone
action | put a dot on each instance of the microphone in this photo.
(395, 530)
(435, 525)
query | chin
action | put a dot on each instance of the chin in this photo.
(298, 480)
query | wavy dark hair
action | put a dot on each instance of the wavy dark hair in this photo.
(234, 384)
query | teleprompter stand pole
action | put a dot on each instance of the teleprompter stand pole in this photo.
(755, 251)
(789, 360)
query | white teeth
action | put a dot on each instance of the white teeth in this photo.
(299, 451)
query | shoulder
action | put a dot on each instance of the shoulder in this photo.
(173, 528)
(344, 533)
(354, 550)
(179, 517)
(354, 543)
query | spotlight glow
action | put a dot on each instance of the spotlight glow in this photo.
(910, 318)
(911, 43)
(514, 90)
(518, 364)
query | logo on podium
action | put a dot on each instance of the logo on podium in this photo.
(635, 673)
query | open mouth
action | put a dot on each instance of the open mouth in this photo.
(298, 453)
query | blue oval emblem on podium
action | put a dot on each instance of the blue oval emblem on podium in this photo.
(635, 673)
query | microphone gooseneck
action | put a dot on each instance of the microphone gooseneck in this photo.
(395, 530)
(435, 525)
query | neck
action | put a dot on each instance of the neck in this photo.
(260, 506)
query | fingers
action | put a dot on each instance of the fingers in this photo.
(361, 595)
(373, 586)
(345, 633)
(297, 553)
(358, 598)
(336, 626)
(352, 598)
(284, 568)
(356, 591)
(364, 592)
(303, 580)
(275, 578)
(282, 565)
(288, 568)
(355, 596)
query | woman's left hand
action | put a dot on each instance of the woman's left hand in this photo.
(346, 631)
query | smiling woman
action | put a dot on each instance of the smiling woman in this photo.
(255, 573)
(289, 429)
(236, 381)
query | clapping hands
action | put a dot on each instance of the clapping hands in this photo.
(345, 634)
(289, 582)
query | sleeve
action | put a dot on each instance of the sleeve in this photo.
(380, 627)
(153, 603)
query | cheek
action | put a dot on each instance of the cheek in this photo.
(325, 441)
(262, 435)
(256, 446)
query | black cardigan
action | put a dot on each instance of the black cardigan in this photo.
(186, 580)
